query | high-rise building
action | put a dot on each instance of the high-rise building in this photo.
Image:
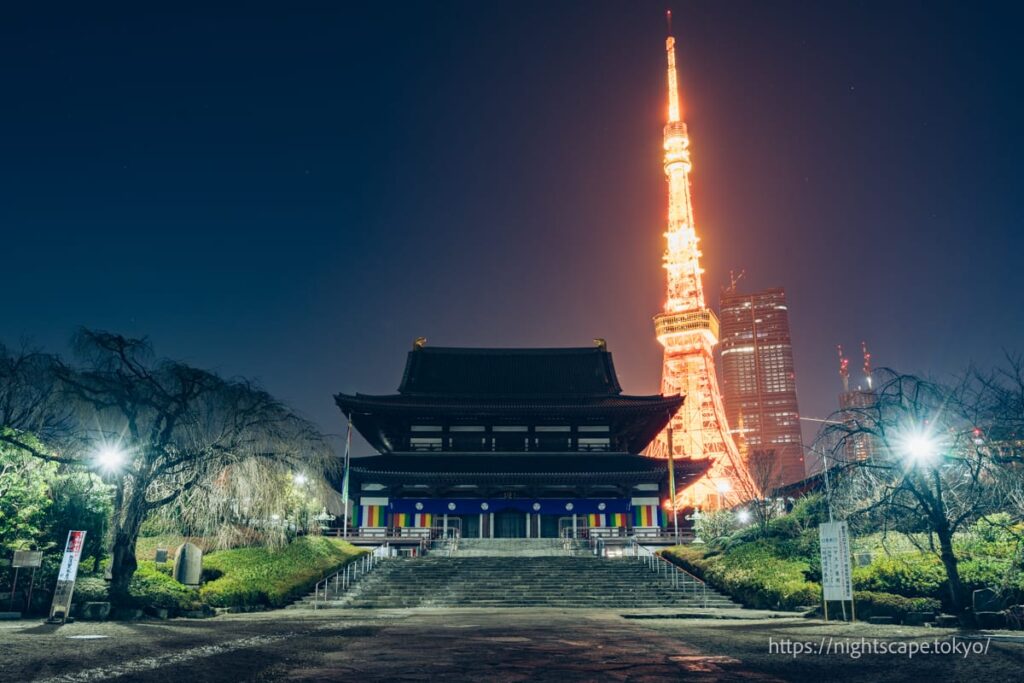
(688, 329)
(759, 384)
(857, 406)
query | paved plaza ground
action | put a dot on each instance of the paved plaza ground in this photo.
(486, 645)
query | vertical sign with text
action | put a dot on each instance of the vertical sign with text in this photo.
(836, 568)
(66, 577)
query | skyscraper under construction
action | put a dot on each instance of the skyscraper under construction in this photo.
(759, 384)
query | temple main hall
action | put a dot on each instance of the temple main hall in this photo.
(511, 443)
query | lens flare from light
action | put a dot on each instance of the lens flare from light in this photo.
(918, 445)
(110, 458)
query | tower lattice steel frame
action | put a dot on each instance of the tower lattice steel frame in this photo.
(688, 329)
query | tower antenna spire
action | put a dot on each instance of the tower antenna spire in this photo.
(673, 80)
(867, 362)
(844, 368)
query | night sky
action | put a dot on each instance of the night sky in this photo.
(294, 192)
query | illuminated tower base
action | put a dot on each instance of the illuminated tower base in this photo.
(699, 428)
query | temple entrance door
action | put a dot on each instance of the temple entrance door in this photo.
(470, 525)
(549, 526)
(510, 524)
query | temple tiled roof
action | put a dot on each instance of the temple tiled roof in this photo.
(508, 387)
(511, 468)
(477, 373)
(401, 402)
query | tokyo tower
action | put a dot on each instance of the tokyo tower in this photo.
(688, 329)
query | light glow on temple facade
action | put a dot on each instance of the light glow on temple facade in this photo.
(688, 330)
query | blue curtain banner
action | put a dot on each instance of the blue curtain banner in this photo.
(544, 506)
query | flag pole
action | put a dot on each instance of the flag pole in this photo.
(672, 481)
(344, 481)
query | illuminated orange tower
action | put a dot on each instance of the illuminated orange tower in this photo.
(688, 329)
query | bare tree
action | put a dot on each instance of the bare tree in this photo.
(163, 430)
(764, 476)
(932, 469)
(31, 412)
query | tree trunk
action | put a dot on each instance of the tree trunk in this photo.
(127, 523)
(956, 587)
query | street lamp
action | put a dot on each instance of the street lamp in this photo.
(918, 445)
(110, 458)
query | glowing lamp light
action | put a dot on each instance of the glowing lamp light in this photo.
(110, 458)
(919, 446)
(743, 516)
(300, 479)
(723, 486)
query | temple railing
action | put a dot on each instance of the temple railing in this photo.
(679, 578)
(337, 584)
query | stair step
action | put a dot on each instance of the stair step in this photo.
(506, 575)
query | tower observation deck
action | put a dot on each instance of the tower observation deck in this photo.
(688, 330)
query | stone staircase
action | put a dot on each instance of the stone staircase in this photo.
(519, 547)
(552, 580)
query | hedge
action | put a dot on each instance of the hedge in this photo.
(237, 577)
(752, 573)
(871, 604)
(151, 586)
(273, 578)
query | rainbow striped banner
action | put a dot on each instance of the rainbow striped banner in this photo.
(613, 520)
(372, 515)
(407, 519)
(647, 515)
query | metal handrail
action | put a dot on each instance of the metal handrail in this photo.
(449, 541)
(679, 577)
(345, 577)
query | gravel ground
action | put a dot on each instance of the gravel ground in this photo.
(506, 645)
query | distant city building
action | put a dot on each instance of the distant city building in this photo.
(857, 407)
(759, 384)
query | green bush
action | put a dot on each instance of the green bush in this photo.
(151, 586)
(806, 514)
(872, 604)
(261, 576)
(908, 574)
(90, 589)
(757, 574)
(715, 525)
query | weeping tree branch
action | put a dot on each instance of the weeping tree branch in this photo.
(194, 443)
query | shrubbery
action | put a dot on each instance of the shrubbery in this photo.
(781, 570)
(870, 604)
(238, 577)
(753, 573)
(151, 586)
(260, 576)
(910, 575)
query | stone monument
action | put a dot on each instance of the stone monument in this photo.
(188, 564)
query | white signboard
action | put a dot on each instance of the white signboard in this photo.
(836, 569)
(66, 577)
(27, 558)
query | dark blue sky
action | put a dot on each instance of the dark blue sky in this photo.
(294, 191)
